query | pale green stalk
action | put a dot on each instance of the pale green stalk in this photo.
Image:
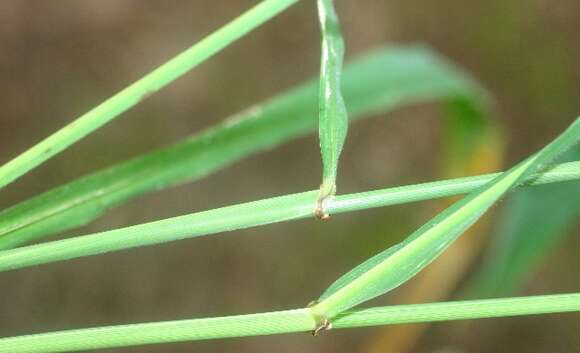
(149, 84)
(252, 214)
(288, 321)
(439, 189)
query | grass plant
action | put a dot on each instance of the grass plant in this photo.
(377, 82)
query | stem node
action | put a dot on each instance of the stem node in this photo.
(326, 195)
(326, 325)
(322, 322)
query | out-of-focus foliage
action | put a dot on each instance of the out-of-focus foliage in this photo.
(533, 223)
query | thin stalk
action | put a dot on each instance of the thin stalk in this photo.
(444, 188)
(299, 320)
(135, 93)
(251, 214)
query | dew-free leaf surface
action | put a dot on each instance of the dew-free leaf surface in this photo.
(401, 262)
(377, 82)
(333, 119)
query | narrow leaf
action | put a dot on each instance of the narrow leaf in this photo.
(398, 264)
(136, 92)
(415, 74)
(333, 119)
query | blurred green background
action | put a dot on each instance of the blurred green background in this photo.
(60, 58)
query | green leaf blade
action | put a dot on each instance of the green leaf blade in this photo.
(396, 265)
(415, 75)
(333, 118)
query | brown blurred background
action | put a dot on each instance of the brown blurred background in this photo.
(60, 58)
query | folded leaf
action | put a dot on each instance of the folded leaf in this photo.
(333, 119)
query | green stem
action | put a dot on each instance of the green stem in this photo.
(251, 214)
(135, 93)
(444, 188)
(459, 310)
(299, 320)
